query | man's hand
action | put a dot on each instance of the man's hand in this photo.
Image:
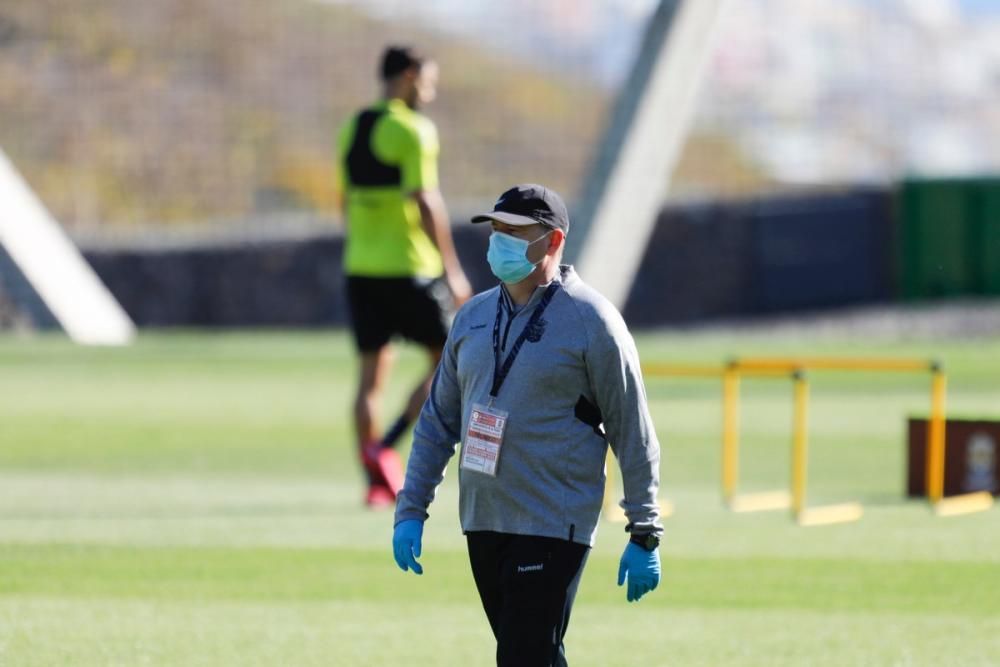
(642, 569)
(406, 545)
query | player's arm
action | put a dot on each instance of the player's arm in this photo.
(420, 179)
(340, 174)
(340, 193)
(434, 217)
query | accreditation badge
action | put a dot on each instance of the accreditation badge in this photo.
(483, 438)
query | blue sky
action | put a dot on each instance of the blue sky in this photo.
(981, 5)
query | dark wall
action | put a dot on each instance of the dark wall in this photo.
(697, 266)
(821, 251)
(771, 255)
(20, 303)
(273, 283)
(704, 261)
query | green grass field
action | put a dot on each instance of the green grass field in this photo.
(194, 500)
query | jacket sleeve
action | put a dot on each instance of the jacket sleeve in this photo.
(434, 438)
(616, 383)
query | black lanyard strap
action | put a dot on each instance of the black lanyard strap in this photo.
(500, 371)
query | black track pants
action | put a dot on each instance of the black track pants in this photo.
(527, 585)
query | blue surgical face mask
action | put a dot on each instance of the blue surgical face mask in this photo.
(508, 257)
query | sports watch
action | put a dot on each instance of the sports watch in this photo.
(647, 541)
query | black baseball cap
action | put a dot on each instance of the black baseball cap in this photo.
(529, 204)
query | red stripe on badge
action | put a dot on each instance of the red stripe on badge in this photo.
(479, 435)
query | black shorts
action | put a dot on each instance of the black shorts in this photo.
(418, 309)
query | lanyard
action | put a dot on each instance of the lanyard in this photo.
(500, 371)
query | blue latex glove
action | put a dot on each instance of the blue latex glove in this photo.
(406, 545)
(642, 568)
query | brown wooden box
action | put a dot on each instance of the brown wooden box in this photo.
(972, 458)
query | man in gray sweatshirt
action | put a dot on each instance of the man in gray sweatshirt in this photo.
(538, 377)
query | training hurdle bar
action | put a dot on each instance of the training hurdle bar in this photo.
(611, 510)
(730, 376)
(936, 444)
(810, 516)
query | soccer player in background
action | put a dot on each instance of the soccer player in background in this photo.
(403, 276)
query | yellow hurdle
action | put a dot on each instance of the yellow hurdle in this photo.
(936, 445)
(730, 433)
(751, 502)
(965, 503)
(731, 375)
(934, 473)
(800, 440)
(810, 516)
(789, 364)
(682, 370)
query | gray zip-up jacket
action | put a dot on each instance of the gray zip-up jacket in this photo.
(574, 388)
